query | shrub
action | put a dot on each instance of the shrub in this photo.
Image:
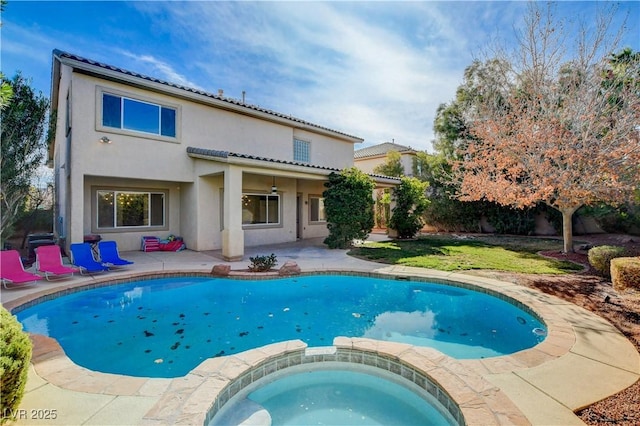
(622, 219)
(348, 204)
(600, 258)
(451, 215)
(625, 272)
(15, 355)
(262, 263)
(411, 203)
(510, 220)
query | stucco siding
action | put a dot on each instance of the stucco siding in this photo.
(311, 229)
(126, 156)
(63, 219)
(368, 164)
(205, 127)
(129, 239)
(325, 151)
(407, 163)
(203, 208)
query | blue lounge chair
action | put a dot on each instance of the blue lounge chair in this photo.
(83, 258)
(109, 254)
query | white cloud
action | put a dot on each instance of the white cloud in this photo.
(158, 69)
(377, 70)
(361, 70)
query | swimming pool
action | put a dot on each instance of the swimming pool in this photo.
(333, 394)
(165, 327)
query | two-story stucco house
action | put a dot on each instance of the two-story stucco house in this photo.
(136, 156)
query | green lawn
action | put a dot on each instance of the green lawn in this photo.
(447, 253)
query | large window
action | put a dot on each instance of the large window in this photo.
(260, 209)
(131, 114)
(301, 151)
(316, 209)
(123, 209)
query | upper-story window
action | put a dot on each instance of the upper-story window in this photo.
(301, 151)
(125, 113)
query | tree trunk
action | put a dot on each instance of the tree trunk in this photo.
(567, 228)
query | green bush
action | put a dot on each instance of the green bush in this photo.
(451, 215)
(623, 219)
(348, 204)
(411, 203)
(510, 220)
(263, 263)
(600, 258)
(15, 355)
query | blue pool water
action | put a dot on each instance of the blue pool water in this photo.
(166, 327)
(344, 397)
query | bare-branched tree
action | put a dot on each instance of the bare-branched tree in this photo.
(563, 128)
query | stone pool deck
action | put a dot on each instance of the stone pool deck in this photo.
(582, 360)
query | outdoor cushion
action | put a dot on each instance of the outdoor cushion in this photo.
(150, 244)
(174, 245)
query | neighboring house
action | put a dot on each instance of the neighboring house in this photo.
(367, 159)
(136, 156)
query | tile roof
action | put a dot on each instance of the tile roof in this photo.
(66, 55)
(381, 149)
(214, 153)
(226, 154)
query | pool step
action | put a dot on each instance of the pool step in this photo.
(245, 413)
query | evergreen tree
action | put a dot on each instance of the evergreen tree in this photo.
(392, 166)
(348, 203)
(411, 203)
(23, 125)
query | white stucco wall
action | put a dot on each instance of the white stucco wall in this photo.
(325, 151)
(368, 164)
(407, 163)
(311, 229)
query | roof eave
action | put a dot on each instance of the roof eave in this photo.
(289, 169)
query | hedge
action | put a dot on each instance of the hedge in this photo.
(600, 258)
(15, 355)
(625, 272)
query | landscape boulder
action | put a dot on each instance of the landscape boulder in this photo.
(289, 268)
(221, 270)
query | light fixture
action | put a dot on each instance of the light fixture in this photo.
(274, 188)
(105, 139)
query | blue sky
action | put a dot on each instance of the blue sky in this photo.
(377, 70)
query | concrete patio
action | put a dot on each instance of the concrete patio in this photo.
(583, 359)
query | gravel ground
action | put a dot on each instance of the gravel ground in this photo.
(622, 309)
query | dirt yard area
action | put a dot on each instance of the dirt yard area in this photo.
(592, 292)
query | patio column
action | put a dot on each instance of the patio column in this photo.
(232, 234)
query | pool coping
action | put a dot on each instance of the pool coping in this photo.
(516, 388)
